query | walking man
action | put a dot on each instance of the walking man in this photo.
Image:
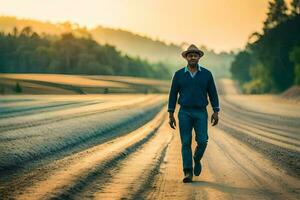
(193, 82)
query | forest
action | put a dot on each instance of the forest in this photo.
(25, 51)
(270, 62)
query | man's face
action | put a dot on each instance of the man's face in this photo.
(192, 58)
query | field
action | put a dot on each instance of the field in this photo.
(79, 84)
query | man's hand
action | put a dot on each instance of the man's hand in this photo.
(214, 118)
(172, 121)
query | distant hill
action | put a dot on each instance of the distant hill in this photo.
(137, 45)
(128, 43)
(8, 23)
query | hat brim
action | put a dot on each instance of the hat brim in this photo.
(201, 53)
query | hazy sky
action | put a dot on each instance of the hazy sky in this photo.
(217, 24)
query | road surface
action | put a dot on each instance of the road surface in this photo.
(121, 147)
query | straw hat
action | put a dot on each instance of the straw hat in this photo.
(194, 49)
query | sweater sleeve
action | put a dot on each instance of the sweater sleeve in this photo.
(213, 94)
(173, 93)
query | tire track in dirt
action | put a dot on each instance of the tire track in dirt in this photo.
(277, 141)
(282, 122)
(69, 171)
(168, 184)
(134, 174)
(251, 169)
(49, 106)
(281, 157)
(231, 170)
(8, 124)
(274, 137)
(48, 144)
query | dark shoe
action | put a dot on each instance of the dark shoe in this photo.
(188, 177)
(197, 167)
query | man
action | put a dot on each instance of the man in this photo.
(193, 83)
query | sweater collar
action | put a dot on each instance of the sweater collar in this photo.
(186, 68)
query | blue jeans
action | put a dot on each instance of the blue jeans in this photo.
(189, 118)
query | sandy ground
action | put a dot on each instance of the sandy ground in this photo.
(231, 170)
(253, 153)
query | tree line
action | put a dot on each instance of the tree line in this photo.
(25, 51)
(270, 62)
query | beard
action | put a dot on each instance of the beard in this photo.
(193, 64)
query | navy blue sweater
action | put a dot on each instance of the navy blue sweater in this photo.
(193, 91)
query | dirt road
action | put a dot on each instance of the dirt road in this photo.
(253, 153)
